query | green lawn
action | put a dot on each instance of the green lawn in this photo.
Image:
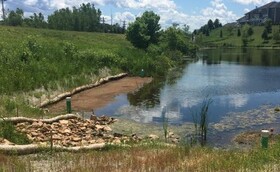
(230, 38)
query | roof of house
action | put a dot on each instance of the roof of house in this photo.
(272, 4)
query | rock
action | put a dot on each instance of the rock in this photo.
(107, 136)
(67, 131)
(64, 122)
(153, 137)
(104, 118)
(99, 127)
(76, 139)
(107, 128)
(73, 132)
(117, 141)
(118, 135)
(56, 137)
(36, 124)
(84, 142)
(34, 134)
(93, 117)
(100, 140)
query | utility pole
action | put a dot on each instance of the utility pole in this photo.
(103, 24)
(111, 18)
(3, 9)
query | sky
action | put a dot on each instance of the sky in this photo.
(193, 13)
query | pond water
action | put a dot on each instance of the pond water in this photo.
(236, 80)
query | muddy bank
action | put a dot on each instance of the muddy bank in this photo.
(100, 96)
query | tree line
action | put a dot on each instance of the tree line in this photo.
(207, 28)
(84, 18)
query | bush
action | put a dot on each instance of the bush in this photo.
(8, 131)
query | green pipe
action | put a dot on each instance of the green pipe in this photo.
(68, 105)
(264, 139)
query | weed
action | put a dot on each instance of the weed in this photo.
(201, 122)
(164, 123)
(8, 131)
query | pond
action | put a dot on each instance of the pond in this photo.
(242, 84)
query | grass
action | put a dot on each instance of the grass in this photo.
(230, 38)
(149, 157)
(8, 131)
(37, 64)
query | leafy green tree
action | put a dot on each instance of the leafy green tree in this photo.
(144, 31)
(245, 35)
(250, 31)
(84, 18)
(265, 34)
(217, 23)
(36, 21)
(238, 32)
(210, 25)
(176, 42)
(276, 36)
(268, 25)
(15, 18)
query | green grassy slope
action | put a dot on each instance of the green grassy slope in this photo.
(231, 39)
(49, 61)
(31, 58)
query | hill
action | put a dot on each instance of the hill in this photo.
(36, 62)
(227, 36)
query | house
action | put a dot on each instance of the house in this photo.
(261, 14)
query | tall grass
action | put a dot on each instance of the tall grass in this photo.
(149, 157)
(8, 131)
(200, 120)
(165, 123)
(32, 59)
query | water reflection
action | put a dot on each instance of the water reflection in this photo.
(235, 79)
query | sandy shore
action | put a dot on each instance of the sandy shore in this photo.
(100, 96)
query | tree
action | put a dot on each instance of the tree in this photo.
(250, 31)
(144, 31)
(84, 18)
(37, 21)
(265, 34)
(217, 23)
(268, 25)
(238, 32)
(276, 36)
(221, 33)
(15, 18)
(210, 25)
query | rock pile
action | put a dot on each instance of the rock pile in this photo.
(72, 132)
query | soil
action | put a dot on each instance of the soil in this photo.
(100, 96)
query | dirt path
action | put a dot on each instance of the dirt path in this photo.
(102, 95)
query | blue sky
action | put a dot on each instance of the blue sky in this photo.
(194, 13)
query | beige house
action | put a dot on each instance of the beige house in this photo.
(261, 14)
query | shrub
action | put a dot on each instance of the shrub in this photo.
(8, 131)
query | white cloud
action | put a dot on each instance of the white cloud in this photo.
(136, 4)
(255, 2)
(220, 11)
(246, 10)
(31, 2)
(125, 16)
(167, 9)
